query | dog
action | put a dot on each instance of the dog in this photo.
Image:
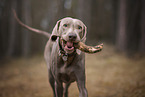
(65, 63)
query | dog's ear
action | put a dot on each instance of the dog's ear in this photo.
(84, 34)
(83, 38)
(55, 31)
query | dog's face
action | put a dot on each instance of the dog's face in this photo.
(71, 31)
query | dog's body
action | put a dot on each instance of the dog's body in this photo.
(65, 63)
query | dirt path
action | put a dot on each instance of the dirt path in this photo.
(108, 75)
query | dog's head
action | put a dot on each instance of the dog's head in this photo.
(71, 31)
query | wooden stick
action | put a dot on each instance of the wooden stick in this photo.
(89, 49)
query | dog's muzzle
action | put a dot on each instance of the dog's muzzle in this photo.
(68, 44)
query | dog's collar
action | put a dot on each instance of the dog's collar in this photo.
(63, 54)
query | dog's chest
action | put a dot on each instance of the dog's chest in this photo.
(66, 74)
(66, 70)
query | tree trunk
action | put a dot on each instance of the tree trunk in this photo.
(4, 10)
(26, 35)
(115, 20)
(142, 23)
(12, 31)
(121, 36)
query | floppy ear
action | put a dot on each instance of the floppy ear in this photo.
(83, 39)
(55, 31)
(84, 34)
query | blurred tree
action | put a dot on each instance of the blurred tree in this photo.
(7, 28)
(101, 20)
(117, 21)
(26, 35)
(133, 25)
(142, 23)
(12, 27)
(121, 36)
(13, 42)
(131, 34)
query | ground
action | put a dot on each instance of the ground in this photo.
(109, 74)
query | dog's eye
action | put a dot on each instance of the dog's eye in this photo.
(65, 25)
(79, 27)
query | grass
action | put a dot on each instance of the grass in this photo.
(109, 74)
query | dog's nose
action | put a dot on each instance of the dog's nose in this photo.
(72, 36)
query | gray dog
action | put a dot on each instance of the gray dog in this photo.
(66, 64)
(64, 57)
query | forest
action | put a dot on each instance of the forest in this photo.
(119, 24)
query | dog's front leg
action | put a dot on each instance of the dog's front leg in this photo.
(58, 89)
(81, 84)
(65, 91)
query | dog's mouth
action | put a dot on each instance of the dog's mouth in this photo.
(69, 46)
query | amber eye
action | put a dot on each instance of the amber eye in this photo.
(65, 25)
(79, 27)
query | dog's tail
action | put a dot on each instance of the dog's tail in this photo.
(30, 28)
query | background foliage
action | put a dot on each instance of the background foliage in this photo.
(118, 22)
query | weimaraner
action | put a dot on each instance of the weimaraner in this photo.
(65, 63)
(64, 57)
